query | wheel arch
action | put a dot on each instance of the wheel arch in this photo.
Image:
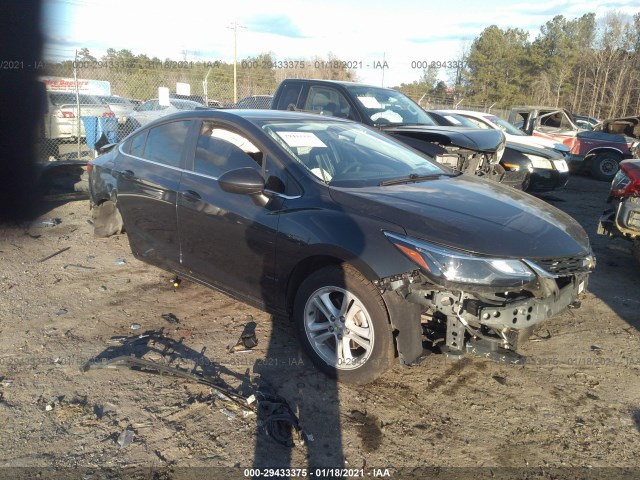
(313, 263)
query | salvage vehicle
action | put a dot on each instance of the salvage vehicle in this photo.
(513, 134)
(627, 126)
(543, 160)
(467, 150)
(365, 243)
(593, 151)
(622, 216)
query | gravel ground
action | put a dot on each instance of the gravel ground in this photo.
(571, 411)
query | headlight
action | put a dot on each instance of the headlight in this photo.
(500, 152)
(539, 162)
(443, 264)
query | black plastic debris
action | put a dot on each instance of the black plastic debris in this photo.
(279, 421)
(500, 380)
(248, 338)
(170, 317)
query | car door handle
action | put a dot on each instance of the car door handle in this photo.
(191, 195)
(128, 173)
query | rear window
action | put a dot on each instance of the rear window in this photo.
(70, 98)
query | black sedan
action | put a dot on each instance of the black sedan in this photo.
(365, 243)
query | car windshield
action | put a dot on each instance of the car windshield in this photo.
(348, 155)
(70, 99)
(505, 126)
(459, 120)
(384, 106)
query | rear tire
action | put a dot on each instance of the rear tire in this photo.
(337, 304)
(605, 166)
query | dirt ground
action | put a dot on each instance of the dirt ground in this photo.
(572, 410)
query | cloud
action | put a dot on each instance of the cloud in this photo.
(276, 25)
(451, 37)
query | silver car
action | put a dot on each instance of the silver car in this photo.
(151, 109)
(61, 120)
(120, 106)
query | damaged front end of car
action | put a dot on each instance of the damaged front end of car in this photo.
(480, 305)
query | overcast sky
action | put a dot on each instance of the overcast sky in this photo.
(359, 31)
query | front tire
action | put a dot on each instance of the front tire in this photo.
(343, 325)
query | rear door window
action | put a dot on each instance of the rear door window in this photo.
(289, 96)
(165, 143)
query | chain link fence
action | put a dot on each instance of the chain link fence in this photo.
(89, 107)
(90, 104)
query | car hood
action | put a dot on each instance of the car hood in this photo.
(472, 215)
(535, 150)
(470, 138)
(530, 140)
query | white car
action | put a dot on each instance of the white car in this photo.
(512, 134)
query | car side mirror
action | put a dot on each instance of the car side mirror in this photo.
(244, 181)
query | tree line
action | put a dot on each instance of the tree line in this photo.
(588, 65)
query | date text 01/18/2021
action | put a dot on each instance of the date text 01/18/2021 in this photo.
(317, 472)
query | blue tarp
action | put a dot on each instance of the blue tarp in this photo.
(96, 127)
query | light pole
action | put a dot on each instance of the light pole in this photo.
(235, 26)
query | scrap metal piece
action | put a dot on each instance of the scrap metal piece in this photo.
(54, 254)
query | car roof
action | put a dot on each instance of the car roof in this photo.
(472, 113)
(250, 115)
(343, 83)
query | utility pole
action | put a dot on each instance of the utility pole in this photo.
(78, 113)
(235, 27)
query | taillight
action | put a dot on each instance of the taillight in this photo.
(108, 113)
(89, 167)
(64, 114)
(626, 183)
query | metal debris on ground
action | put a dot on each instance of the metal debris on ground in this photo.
(537, 337)
(228, 413)
(62, 311)
(7, 382)
(77, 265)
(52, 404)
(274, 413)
(170, 317)
(49, 223)
(135, 326)
(54, 254)
(120, 261)
(248, 338)
(125, 438)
